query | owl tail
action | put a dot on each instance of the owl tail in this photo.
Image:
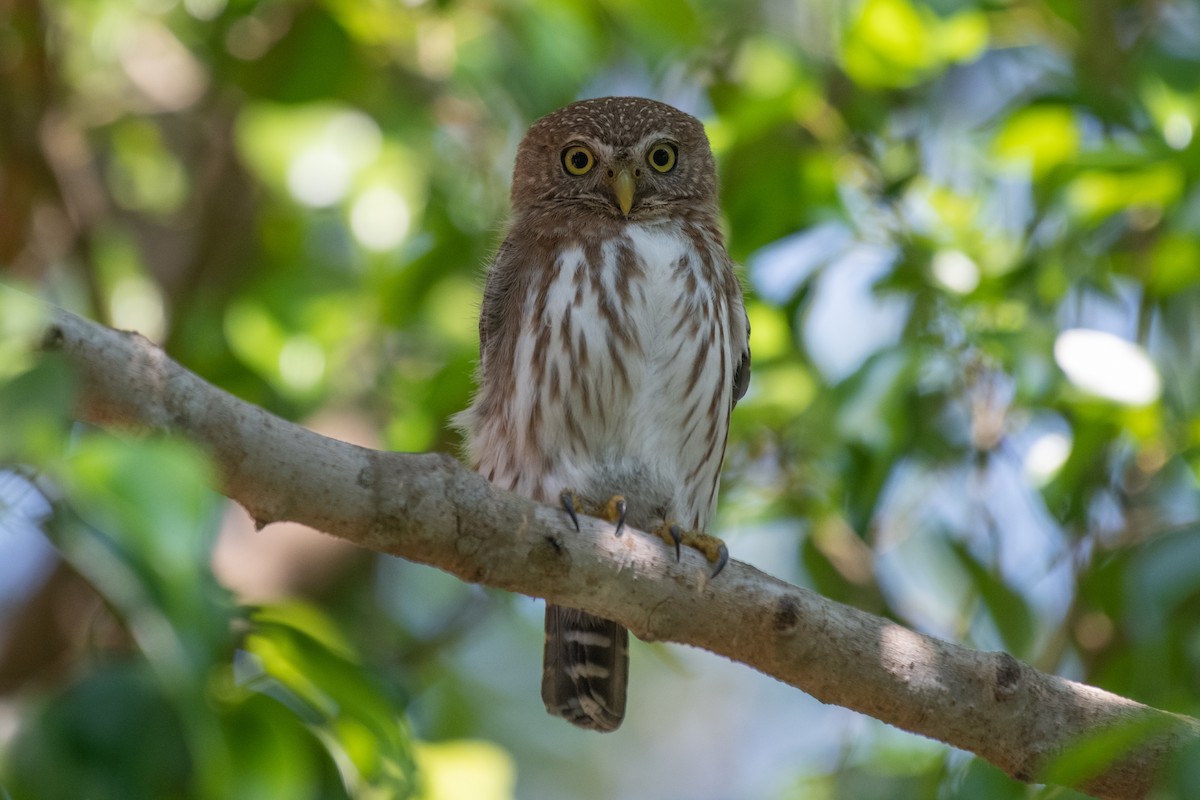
(585, 669)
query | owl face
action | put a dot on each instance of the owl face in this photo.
(616, 157)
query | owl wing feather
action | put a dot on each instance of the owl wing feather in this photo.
(499, 294)
(741, 375)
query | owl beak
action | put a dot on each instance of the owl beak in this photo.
(623, 187)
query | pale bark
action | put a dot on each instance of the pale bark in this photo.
(430, 509)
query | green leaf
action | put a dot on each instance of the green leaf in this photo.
(1043, 136)
(154, 497)
(112, 735)
(1094, 753)
(1005, 605)
(1096, 194)
(325, 681)
(457, 769)
(36, 408)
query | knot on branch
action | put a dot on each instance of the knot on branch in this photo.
(1008, 676)
(52, 339)
(787, 614)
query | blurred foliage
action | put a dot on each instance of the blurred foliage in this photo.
(972, 238)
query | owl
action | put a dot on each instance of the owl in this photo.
(614, 345)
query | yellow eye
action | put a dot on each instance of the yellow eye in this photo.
(662, 156)
(577, 160)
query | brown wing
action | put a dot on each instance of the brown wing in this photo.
(741, 375)
(499, 296)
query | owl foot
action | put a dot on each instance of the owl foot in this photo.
(570, 502)
(613, 511)
(712, 547)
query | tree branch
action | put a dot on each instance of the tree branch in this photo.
(430, 509)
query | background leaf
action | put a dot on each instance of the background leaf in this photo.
(970, 239)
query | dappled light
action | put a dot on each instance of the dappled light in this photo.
(380, 218)
(970, 238)
(1107, 366)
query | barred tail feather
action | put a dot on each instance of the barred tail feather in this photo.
(585, 669)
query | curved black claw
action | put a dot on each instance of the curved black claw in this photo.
(621, 509)
(567, 498)
(677, 537)
(722, 560)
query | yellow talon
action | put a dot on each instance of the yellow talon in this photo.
(672, 534)
(713, 548)
(614, 511)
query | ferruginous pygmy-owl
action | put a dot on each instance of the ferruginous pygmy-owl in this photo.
(613, 347)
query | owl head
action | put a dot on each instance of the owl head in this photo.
(615, 157)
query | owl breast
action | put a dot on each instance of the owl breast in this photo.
(632, 374)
